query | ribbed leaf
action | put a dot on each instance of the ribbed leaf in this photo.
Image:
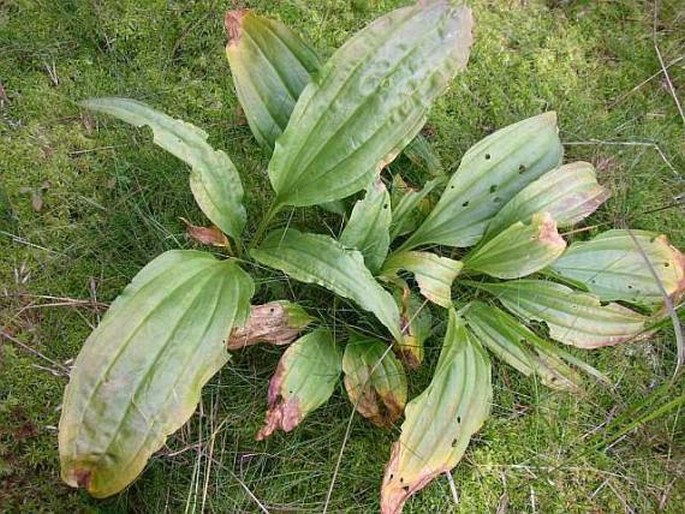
(632, 266)
(375, 380)
(407, 209)
(321, 260)
(434, 274)
(214, 180)
(490, 174)
(520, 250)
(416, 322)
(569, 193)
(271, 66)
(304, 380)
(574, 318)
(139, 375)
(369, 226)
(439, 422)
(368, 102)
(511, 341)
(276, 323)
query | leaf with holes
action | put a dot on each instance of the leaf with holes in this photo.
(369, 225)
(439, 422)
(276, 323)
(304, 380)
(375, 380)
(214, 181)
(271, 66)
(520, 250)
(434, 274)
(318, 259)
(511, 341)
(573, 317)
(569, 193)
(490, 174)
(634, 266)
(368, 102)
(139, 375)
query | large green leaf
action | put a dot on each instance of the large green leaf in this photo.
(375, 380)
(520, 250)
(634, 266)
(271, 66)
(569, 193)
(574, 318)
(368, 102)
(518, 346)
(439, 422)
(434, 274)
(368, 229)
(490, 174)
(324, 261)
(304, 380)
(139, 375)
(214, 180)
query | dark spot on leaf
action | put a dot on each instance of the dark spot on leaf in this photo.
(465, 204)
(385, 206)
(458, 419)
(487, 156)
(454, 443)
(392, 476)
(630, 286)
(401, 480)
(522, 168)
(493, 188)
(406, 488)
(667, 264)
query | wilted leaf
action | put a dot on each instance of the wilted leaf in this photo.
(574, 318)
(511, 341)
(211, 236)
(214, 181)
(139, 375)
(569, 193)
(368, 102)
(276, 323)
(434, 274)
(368, 227)
(304, 380)
(439, 422)
(318, 259)
(490, 174)
(520, 250)
(622, 264)
(375, 380)
(270, 65)
(416, 323)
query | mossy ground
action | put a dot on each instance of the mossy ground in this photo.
(85, 202)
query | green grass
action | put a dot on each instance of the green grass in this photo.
(111, 202)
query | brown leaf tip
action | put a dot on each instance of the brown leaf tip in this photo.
(82, 477)
(234, 25)
(547, 230)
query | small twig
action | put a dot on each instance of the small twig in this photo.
(453, 488)
(64, 371)
(646, 81)
(627, 143)
(663, 65)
